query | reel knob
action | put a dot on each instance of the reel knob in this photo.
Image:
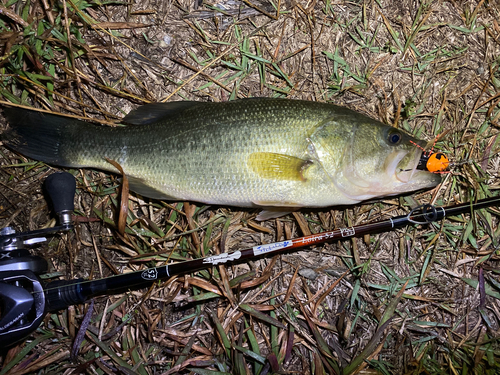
(61, 187)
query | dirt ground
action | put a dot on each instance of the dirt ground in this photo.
(422, 299)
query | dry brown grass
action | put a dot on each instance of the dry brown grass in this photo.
(430, 67)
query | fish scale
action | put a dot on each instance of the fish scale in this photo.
(250, 153)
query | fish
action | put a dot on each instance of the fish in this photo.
(279, 155)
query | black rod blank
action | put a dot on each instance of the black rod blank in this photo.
(61, 294)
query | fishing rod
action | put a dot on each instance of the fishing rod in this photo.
(26, 300)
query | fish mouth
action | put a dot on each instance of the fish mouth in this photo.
(403, 166)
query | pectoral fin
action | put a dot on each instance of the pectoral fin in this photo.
(278, 166)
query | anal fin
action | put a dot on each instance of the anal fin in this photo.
(139, 186)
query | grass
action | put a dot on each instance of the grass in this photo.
(420, 300)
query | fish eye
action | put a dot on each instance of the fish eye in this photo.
(394, 137)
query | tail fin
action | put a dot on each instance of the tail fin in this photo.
(40, 136)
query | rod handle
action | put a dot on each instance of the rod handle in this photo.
(60, 294)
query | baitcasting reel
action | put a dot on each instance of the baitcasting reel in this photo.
(23, 303)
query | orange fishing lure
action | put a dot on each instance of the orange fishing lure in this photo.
(434, 162)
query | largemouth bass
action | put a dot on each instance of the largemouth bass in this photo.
(277, 154)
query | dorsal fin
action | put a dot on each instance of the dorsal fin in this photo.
(153, 112)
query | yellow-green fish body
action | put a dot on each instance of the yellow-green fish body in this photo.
(249, 153)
